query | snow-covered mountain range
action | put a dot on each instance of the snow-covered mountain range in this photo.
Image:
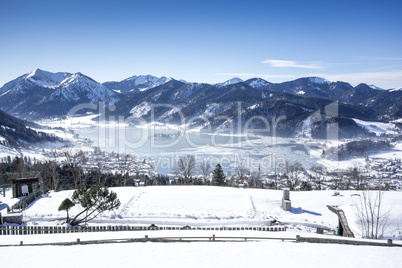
(137, 83)
(42, 94)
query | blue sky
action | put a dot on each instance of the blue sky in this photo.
(205, 41)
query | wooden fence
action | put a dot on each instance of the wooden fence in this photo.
(169, 239)
(32, 230)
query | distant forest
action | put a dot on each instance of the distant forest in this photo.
(17, 133)
(359, 148)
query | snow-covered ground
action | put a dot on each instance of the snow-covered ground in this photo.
(201, 254)
(219, 206)
(377, 127)
(205, 206)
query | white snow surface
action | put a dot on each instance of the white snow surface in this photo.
(207, 206)
(258, 83)
(232, 81)
(77, 86)
(213, 109)
(199, 254)
(218, 206)
(375, 87)
(148, 81)
(47, 79)
(377, 127)
(141, 109)
(318, 80)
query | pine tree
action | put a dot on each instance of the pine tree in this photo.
(94, 200)
(218, 177)
(66, 205)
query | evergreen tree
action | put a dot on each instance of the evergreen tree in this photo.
(94, 200)
(218, 177)
(66, 205)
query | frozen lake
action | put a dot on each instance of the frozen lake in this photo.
(166, 145)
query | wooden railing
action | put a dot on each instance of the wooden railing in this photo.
(32, 230)
(342, 220)
(24, 203)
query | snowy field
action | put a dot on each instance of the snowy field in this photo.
(202, 254)
(205, 206)
(218, 206)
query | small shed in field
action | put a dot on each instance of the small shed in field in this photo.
(25, 186)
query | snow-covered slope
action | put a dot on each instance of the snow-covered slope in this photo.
(79, 87)
(42, 94)
(140, 110)
(318, 80)
(47, 79)
(375, 87)
(232, 81)
(137, 83)
(220, 206)
(377, 128)
(257, 83)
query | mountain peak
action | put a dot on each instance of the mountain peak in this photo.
(318, 80)
(137, 83)
(46, 79)
(37, 73)
(232, 81)
(257, 83)
(375, 87)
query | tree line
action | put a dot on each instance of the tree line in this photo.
(71, 175)
(359, 148)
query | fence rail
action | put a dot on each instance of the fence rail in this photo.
(24, 203)
(146, 238)
(32, 230)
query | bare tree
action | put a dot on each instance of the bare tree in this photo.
(275, 182)
(51, 171)
(357, 178)
(293, 173)
(74, 162)
(317, 176)
(186, 167)
(242, 172)
(125, 165)
(336, 180)
(372, 218)
(205, 169)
